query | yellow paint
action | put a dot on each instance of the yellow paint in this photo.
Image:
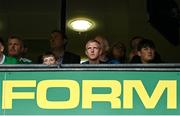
(129, 86)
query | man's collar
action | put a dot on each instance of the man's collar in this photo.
(3, 59)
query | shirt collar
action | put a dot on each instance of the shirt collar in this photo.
(2, 60)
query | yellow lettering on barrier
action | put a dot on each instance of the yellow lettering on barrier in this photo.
(73, 101)
(8, 95)
(150, 102)
(88, 97)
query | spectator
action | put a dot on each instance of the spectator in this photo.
(93, 52)
(118, 52)
(105, 50)
(17, 49)
(3, 58)
(58, 43)
(49, 58)
(133, 45)
(146, 53)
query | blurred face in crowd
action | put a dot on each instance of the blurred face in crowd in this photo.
(134, 43)
(49, 60)
(103, 43)
(15, 47)
(118, 53)
(1, 49)
(56, 40)
(93, 50)
(146, 54)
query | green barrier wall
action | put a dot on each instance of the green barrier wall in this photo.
(148, 78)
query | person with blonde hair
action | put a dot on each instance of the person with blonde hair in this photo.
(93, 52)
(105, 50)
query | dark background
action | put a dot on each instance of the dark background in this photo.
(118, 20)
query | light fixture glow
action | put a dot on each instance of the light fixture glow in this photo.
(81, 24)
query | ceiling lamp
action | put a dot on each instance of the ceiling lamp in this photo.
(81, 24)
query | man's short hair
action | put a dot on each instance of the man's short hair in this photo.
(47, 54)
(18, 38)
(61, 33)
(93, 40)
(145, 43)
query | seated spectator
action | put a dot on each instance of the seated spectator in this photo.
(49, 58)
(17, 49)
(93, 52)
(58, 42)
(118, 52)
(3, 58)
(104, 59)
(133, 45)
(146, 53)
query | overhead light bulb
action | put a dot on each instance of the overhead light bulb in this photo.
(81, 24)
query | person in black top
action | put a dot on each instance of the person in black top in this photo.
(146, 53)
(58, 43)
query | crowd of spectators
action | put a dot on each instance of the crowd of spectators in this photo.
(97, 50)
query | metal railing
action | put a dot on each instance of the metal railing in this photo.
(90, 67)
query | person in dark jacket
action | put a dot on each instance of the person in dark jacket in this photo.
(58, 43)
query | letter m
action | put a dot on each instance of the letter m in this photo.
(150, 101)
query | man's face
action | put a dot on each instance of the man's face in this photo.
(56, 40)
(15, 47)
(147, 54)
(93, 50)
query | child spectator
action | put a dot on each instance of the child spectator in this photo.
(49, 58)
